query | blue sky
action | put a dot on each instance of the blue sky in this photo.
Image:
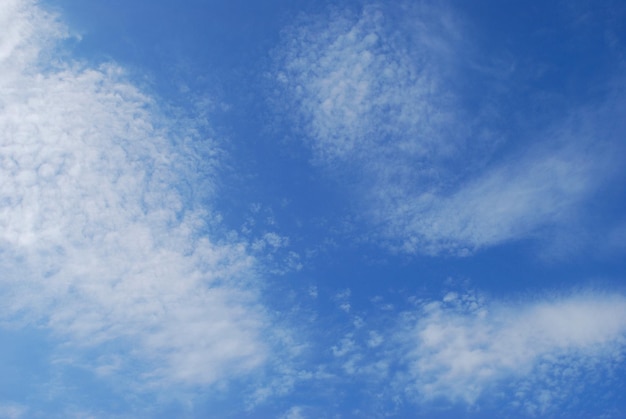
(312, 209)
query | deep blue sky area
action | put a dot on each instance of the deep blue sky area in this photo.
(312, 209)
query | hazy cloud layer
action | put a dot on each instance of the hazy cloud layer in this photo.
(376, 98)
(100, 241)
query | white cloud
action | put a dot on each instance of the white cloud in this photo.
(375, 339)
(294, 413)
(465, 348)
(99, 240)
(345, 346)
(378, 99)
(509, 201)
(360, 86)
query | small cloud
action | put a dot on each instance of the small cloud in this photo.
(342, 295)
(295, 412)
(375, 339)
(450, 297)
(345, 346)
(270, 240)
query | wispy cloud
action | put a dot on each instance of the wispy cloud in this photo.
(100, 240)
(379, 101)
(12, 411)
(543, 186)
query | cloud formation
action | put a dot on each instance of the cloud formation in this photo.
(100, 240)
(378, 100)
(466, 348)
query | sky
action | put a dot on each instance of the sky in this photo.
(312, 209)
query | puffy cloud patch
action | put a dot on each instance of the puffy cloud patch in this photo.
(361, 85)
(465, 348)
